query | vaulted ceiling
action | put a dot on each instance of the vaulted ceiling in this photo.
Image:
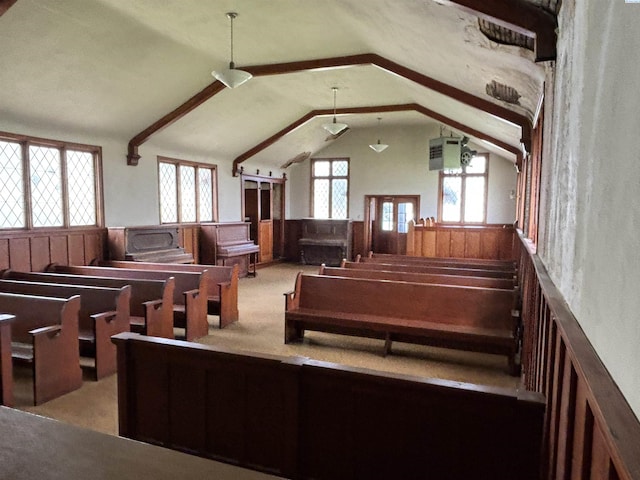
(140, 70)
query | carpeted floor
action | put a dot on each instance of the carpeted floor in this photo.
(261, 329)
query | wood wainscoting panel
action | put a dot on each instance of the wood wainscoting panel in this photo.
(40, 253)
(20, 254)
(76, 250)
(4, 253)
(59, 246)
(443, 244)
(457, 243)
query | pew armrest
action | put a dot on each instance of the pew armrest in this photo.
(51, 330)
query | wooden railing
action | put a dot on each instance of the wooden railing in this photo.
(591, 431)
(482, 241)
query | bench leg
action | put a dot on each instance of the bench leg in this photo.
(292, 332)
(387, 344)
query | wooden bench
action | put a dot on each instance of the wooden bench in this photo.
(467, 318)
(6, 365)
(151, 303)
(189, 295)
(222, 285)
(301, 418)
(402, 276)
(369, 264)
(103, 313)
(45, 336)
(484, 263)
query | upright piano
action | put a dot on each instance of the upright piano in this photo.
(325, 241)
(229, 243)
(157, 243)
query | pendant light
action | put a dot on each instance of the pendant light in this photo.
(378, 147)
(334, 127)
(232, 77)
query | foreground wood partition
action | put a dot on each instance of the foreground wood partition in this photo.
(591, 431)
(301, 418)
(483, 241)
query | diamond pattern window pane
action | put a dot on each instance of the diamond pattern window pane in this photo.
(321, 198)
(46, 187)
(168, 193)
(321, 168)
(405, 215)
(340, 168)
(187, 193)
(451, 198)
(339, 198)
(11, 186)
(81, 187)
(387, 216)
(205, 184)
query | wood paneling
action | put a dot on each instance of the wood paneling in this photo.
(486, 241)
(592, 433)
(301, 418)
(33, 250)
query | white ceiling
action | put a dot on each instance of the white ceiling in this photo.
(114, 67)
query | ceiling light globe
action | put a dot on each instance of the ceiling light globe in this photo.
(378, 147)
(232, 77)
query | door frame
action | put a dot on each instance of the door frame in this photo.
(370, 212)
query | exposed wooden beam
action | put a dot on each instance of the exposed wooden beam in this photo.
(377, 109)
(517, 15)
(6, 5)
(336, 62)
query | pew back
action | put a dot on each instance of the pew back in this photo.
(151, 302)
(189, 297)
(433, 269)
(222, 284)
(485, 282)
(487, 264)
(103, 312)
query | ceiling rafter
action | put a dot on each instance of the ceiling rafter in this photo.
(337, 62)
(407, 107)
(6, 5)
(517, 15)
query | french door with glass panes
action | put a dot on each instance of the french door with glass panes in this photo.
(389, 221)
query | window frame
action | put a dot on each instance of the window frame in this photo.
(330, 177)
(464, 175)
(214, 189)
(27, 141)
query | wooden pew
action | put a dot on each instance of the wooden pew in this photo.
(189, 295)
(222, 285)
(467, 318)
(6, 365)
(301, 418)
(433, 269)
(45, 336)
(151, 303)
(487, 264)
(402, 276)
(103, 313)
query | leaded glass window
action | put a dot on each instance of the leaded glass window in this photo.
(330, 185)
(187, 191)
(11, 186)
(463, 197)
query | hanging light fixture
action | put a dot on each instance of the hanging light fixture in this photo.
(232, 77)
(334, 127)
(378, 147)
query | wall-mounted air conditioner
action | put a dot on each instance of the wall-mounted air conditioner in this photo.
(444, 152)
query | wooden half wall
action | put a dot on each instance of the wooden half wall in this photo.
(495, 241)
(33, 250)
(591, 431)
(305, 419)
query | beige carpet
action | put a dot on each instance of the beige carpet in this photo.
(261, 329)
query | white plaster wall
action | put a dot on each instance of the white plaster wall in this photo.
(592, 191)
(403, 168)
